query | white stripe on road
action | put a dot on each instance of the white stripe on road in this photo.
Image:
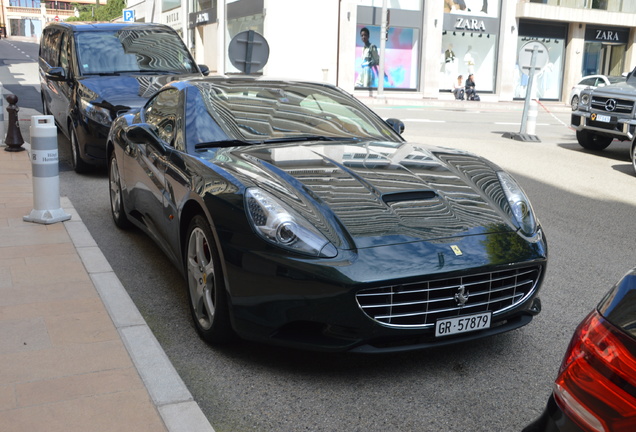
(517, 123)
(424, 121)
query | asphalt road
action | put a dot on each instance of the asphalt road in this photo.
(585, 202)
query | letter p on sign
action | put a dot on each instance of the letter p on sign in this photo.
(129, 15)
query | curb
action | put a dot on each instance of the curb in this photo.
(174, 402)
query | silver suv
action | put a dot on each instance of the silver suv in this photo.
(606, 113)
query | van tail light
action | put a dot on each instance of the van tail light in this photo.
(596, 386)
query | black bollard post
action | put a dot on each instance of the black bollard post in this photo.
(14, 138)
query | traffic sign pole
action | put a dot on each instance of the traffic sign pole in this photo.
(532, 57)
(527, 106)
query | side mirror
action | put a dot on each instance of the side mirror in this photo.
(56, 74)
(143, 133)
(204, 69)
(396, 125)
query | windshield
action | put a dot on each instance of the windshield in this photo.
(277, 111)
(126, 51)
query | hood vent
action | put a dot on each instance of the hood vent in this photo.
(409, 196)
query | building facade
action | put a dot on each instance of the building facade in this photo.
(28, 17)
(427, 43)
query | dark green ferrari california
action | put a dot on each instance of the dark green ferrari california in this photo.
(299, 217)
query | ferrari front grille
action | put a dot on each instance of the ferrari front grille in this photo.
(421, 304)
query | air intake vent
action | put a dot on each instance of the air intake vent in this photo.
(408, 196)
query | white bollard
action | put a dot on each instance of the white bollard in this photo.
(46, 179)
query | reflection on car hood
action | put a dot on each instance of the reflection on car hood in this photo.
(381, 193)
(123, 91)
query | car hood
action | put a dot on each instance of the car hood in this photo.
(123, 92)
(619, 90)
(378, 193)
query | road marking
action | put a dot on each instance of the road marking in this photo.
(517, 124)
(424, 121)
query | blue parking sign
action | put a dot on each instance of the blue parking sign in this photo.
(129, 15)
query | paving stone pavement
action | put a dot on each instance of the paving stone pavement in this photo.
(75, 353)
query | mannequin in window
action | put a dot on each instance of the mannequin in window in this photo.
(450, 63)
(469, 60)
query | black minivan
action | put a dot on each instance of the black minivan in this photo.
(91, 72)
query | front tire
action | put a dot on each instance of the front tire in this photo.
(208, 299)
(116, 196)
(591, 141)
(78, 163)
(633, 155)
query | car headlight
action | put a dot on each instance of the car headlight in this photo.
(585, 99)
(95, 113)
(522, 213)
(278, 224)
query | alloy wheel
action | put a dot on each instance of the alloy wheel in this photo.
(201, 280)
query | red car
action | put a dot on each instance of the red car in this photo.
(596, 386)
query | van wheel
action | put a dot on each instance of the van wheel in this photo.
(592, 141)
(78, 163)
(633, 155)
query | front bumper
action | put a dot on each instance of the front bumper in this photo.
(92, 137)
(312, 304)
(621, 128)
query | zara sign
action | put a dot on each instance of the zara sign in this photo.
(615, 35)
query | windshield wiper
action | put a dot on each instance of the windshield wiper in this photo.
(103, 73)
(160, 72)
(223, 143)
(309, 138)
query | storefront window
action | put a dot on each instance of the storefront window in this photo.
(167, 5)
(400, 58)
(469, 43)
(402, 44)
(413, 5)
(25, 27)
(242, 15)
(549, 80)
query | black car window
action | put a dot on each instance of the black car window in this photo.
(153, 51)
(262, 111)
(64, 50)
(163, 113)
(199, 125)
(50, 47)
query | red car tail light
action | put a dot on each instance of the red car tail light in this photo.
(596, 386)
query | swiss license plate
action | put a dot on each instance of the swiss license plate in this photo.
(462, 324)
(603, 118)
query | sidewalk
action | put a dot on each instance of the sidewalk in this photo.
(75, 353)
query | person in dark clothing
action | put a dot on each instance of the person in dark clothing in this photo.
(470, 87)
